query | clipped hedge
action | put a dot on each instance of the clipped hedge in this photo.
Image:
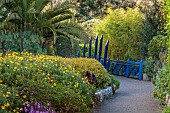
(81, 65)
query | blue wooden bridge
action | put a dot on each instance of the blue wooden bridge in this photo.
(116, 67)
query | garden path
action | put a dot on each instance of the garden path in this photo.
(133, 96)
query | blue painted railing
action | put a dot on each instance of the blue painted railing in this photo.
(116, 67)
(126, 68)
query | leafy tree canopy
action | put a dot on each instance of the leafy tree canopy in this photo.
(122, 27)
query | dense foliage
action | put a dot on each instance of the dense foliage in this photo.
(81, 65)
(41, 17)
(25, 41)
(122, 27)
(162, 83)
(66, 47)
(153, 24)
(29, 82)
(89, 9)
(149, 68)
(157, 45)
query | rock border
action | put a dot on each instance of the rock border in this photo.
(104, 93)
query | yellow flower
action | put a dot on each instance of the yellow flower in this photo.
(11, 62)
(24, 96)
(54, 84)
(21, 109)
(8, 93)
(6, 96)
(0, 84)
(0, 81)
(17, 95)
(26, 102)
(7, 104)
(15, 67)
(14, 110)
(2, 107)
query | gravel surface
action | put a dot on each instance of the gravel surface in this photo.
(133, 96)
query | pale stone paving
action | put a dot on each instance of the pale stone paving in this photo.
(133, 96)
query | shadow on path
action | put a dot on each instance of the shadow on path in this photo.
(133, 96)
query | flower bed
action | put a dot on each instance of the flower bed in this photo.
(43, 83)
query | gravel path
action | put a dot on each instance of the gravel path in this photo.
(133, 96)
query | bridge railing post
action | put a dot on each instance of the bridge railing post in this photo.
(101, 61)
(105, 54)
(127, 68)
(140, 71)
(100, 48)
(90, 46)
(78, 54)
(108, 64)
(95, 48)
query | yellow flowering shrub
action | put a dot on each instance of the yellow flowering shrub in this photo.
(81, 65)
(41, 82)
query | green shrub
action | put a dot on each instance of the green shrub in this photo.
(157, 45)
(81, 65)
(122, 27)
(81, 46)
(166, 110)
(114, 80)
(66, 47)
(162, 84)
(148, 68)
(41, 79)
(24, 41)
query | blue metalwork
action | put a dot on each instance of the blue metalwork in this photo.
(108, 64)
(116, 67)
(105, 53)
(95, 48)
(101, 61)
(78, 54)
(100, 48)
(90, 46)
(127, 68)
(140, 71)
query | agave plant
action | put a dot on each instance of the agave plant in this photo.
(49, 18)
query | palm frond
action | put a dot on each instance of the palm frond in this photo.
(60, 5)
(40, 4)
(52, 13)
(13, 16)
(71, 29)
(61, 18)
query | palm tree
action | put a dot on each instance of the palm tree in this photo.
(40, 16)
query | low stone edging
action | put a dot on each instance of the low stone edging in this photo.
(104, 93)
